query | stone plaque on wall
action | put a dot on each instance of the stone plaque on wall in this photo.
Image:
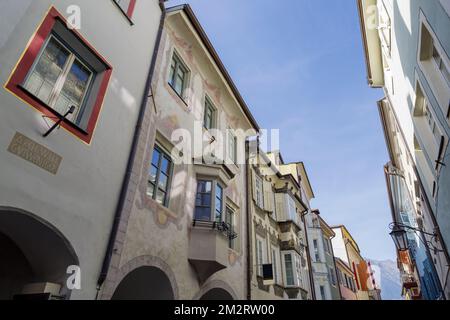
(35, 153)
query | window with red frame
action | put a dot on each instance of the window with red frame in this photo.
(127, 6)
(60, 70)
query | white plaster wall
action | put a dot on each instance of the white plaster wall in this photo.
(81, 199)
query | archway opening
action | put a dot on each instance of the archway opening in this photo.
(217, 294)
(34, 257)
(145, 283)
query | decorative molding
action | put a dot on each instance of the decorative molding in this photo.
(260, 229)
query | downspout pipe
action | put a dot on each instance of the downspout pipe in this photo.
(308, 257)
(248, 221)
(131, 158)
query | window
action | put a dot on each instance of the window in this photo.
(259, 255)
(316, 250)
(298, 269)
(232, 146)
(59, 79)
(209, 116)
(339, 275)
(429, 135)
(432, 123)
(322, 293)
(434, 63)
(327, 245)
(259, 192)
(441, 65)
(160, 176)
(230, 220)
(289, 268)
(127, 6)
(292, 210)
(384, 28)
(275, 264)
(204, 202)
(219, 203)
(178, 75)
(332, 277)
(60, 70)
(315, 222)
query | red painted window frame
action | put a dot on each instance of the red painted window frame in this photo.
(131, 8)
(26, 62)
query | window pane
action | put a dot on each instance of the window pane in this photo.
(204, 186)
(219, 192)
(153, 173)
(219, 195)
(159, 175)
(179, 85)
(207, 123)
(203, 214)
(181, 73)
(289, 270)
(151, 190)
(42, 79)
(74, 89)
(165, 165)
(163, 179)
(160, 197)
(155, 158)
(209, 115)
(203, 200)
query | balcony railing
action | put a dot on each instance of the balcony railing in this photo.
(222, 226)
(408, 281)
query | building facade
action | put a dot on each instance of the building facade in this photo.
(328, 235)
(183, 232)
(407, 47)
(59, 188)
(346, 249)
(346, 279)
(278, 236)
(322, 258)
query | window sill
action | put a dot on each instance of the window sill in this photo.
(56, 113)
(124, 13)
(178, 95)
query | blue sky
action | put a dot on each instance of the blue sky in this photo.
(299, 65)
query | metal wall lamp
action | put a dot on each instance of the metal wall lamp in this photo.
(399, 235)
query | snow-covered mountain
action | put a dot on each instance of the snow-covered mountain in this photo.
(387, 273)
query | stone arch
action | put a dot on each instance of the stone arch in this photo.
(142, 266)
(26, 240)
(218, 287)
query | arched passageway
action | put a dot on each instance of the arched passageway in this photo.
(32, 252)
(144, 283)
(217, 294)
